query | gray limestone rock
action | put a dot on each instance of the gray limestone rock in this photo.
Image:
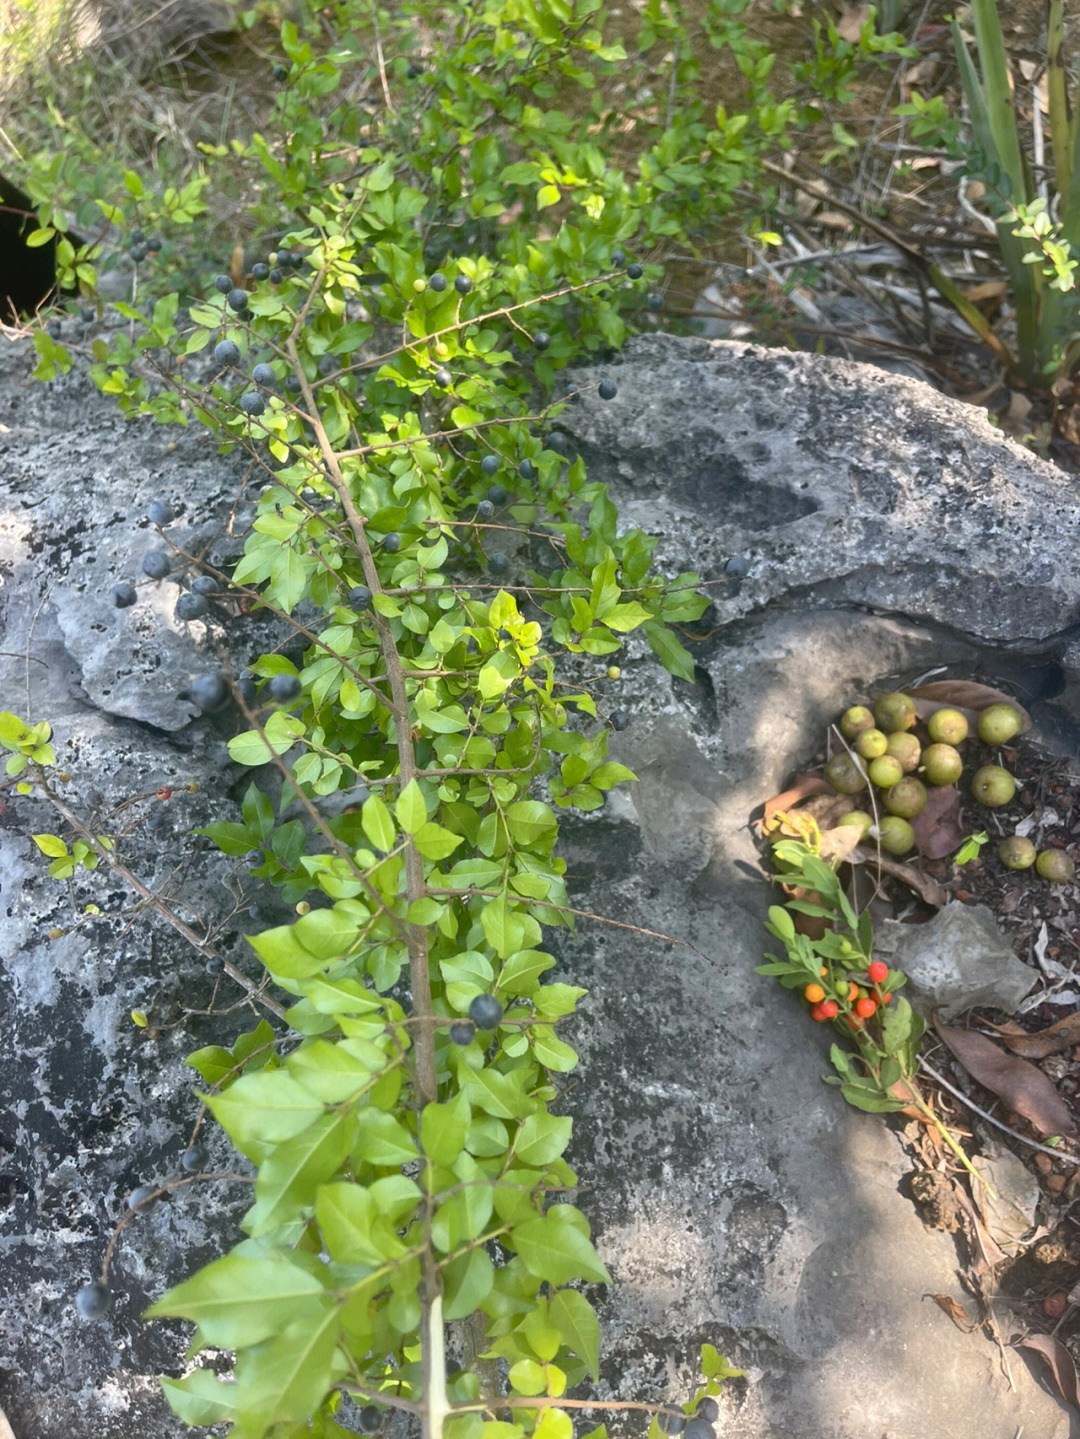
(735, 1198)
(955, 961)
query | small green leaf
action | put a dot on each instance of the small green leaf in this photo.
(554, 1248)
(576, 1320)
(377, 824)
(410, 808)
(50, 844)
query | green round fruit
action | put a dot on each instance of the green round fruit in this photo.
(999, 723)
(854, 720)
(1016, 852)
(941, 763)
(992, 786)
(845, 773)
(907, 799)
(856, 817)
(896, 835)
(947, 727)
(906, 748)
(886, 771)
(871, 743)
(894, 711)
(1055, 865)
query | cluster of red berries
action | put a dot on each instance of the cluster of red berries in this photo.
(857, 1003)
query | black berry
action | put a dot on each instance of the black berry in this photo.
(223, 283)
(154, 244)
(156, 564)
(252, 403)
(498, 494)
(285, 687)
(608, 389)
(260, 271)
(619, 719)
(138, 252)
(195, 1158)
(437, 282)
(140, 1196)
(264, 375)
(328, 364)
(618, 259)
(159, 513)
(276, 276)
(292, 383)
(655, 302)
(204, 585)
(489, 464)
(280, 72)
(484, 510)
(708, 1410)
(498, 564)
(486, 1011)
(541, 339)
(463, 284)
(634, 272)
(254, 858)
(671, 1423)
(238, 301)
(208, 692)
(123, 595)
(527, 470)
(444, 378)
(699, 1429)
(246, 685)
(463, 1031)
(93, 1301)
(392, 542)
(370, 1419)
(227, 352)
(191, 607)
(360, 597)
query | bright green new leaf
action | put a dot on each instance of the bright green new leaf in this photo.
(382, 1140)
(556, 1250)
(580, 1329)
(237, 1302)
(50, 844)
(378, 824)
(410, 808)
(542, 1138)
(264, 1109)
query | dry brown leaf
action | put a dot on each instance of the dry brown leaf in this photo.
(986, 290)
(827, 809)
(850, 24)
(963, 695)
(1060, 1363)
(805, 785)
(956, 1312)
(922, 884)
(937, 827)
(1052, 1040)
(838, 845)
(1022, 1086)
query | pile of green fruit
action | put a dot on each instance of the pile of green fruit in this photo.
(883, 756)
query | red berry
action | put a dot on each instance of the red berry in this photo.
(817, 1011)
(865, 1007)
(853, 1021)
(885, 996)
(878, 973)
(829, 1009)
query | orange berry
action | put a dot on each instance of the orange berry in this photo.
(885, 996)
(877, 973)
(814, 993)
(853, 990)
(829, 1009)
(865, 1007)
(824, 970)
(816, 1012)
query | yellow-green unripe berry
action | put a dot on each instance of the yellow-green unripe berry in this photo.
(999, 723)
(992, 786)
(845, 773)
(886, 771)
(907, 799)
(871, 743)
(1055, 865)
(855, 720)
(614, 672)
(856, 817)
(896, 835)
(894, 711)
(947, 726)
(1016, 852)
(906, 748)
(941, 763)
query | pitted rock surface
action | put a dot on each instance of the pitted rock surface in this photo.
(735, 1198)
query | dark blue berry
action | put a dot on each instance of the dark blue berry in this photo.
(328, 364)
(370, 1419)
(209, 692)
(140, 1196)
(527, 470)
(498, 564)
(618, 259)
(486, 1011)
(195, 1158)
(498, 494)
(360, 597)
(154, 244)
(276, 275)
(737, 565)
(252, 403)
(280, 72)
(238, 301)
(619, 719)
(634, 272)
(138, 252)
(462, 1031)
(444, 378)
(484, 510)
(292, 383)
(254, 858)
(285, 687)
(247, 688)
(671, 1423)
(489, 464)
(655, 302)
(708, 1410)
(260, 271)
(438, 282)
(227, 352)
(159, 513)
(608, 389)
(223, 283)
(204, 585)
(264, 374)
(191, 607)
(541, 339)
(123, 595)
(698, 1429)
(156, 564)
(215, 965)
(392, 542)
(463, 284)
(93, 1301)
(137, 237)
